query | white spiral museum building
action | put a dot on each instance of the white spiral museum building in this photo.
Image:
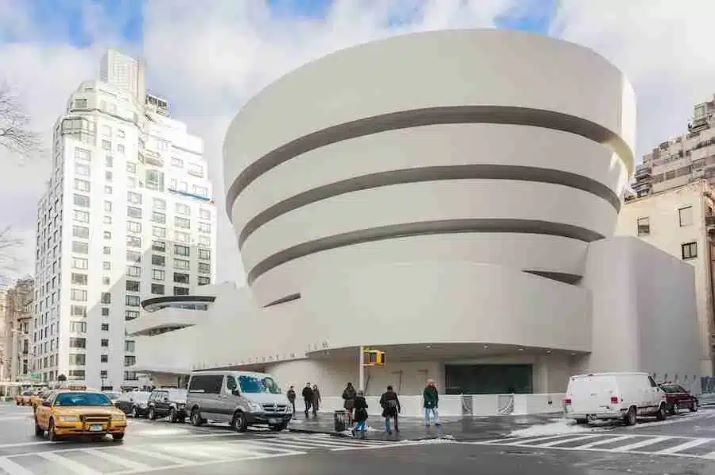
(448, 197)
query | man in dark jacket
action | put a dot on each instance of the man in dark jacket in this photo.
(307, 398)
(390, 408)
(431, 402)
(291, 398)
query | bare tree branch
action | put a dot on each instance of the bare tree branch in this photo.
(15, 134)
(7, 245)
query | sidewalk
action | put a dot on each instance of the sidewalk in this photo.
(466, 428)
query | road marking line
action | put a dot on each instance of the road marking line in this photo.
(281, 448)
(683, 446)
(640, 444)
(607, 441)
(201, 464)
(330, 443)
(711, 456)
(13, 468)
(74, 467)
(27, 444)
(573, 439)
(117, 460)
(169, 458)
(525, 441)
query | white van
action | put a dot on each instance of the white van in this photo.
(623, 396)
(240, 398)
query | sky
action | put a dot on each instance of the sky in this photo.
(209, 57)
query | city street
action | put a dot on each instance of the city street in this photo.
(683, 444)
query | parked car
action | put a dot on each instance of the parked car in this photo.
(66, 413)
(23, 399)
(239, 398)
(113, 396)
(167, 402)
(678, 398)
(623, 396)
(37, 398)
(134, 403)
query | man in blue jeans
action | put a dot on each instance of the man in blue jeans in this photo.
(431, 402)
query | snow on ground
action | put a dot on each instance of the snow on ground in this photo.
(556, 427)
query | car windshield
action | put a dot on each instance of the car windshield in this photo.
(82, 399)
(670, 388)
(112, 395)
(254, 384)
(27, 393)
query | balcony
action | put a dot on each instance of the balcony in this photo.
(153, 158)
(643, 171)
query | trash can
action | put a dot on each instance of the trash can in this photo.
(340, 418)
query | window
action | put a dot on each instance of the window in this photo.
(157, 289)
(106, 145)
(181, 250)
(205, 241)
(129, 346)
(685, 215)
(78, 327)
(206, 384)
(105, 280)
(130, 360)
(204, 280)
(130, 314)
(108, 189)
(158, 246)
(103, 375)
(106, 265)
(182, 222)
(132, 300)
(154, 180)
(689, 250)
(131, 167)
(134, 198)
(79, 279)
(181, 264)
(181, 278)
(80, 232)
(181, 291)
(120, 133)
(81, 170)
(182, 209)
(158, 260)
(108, 175)
(79, 263)
(80, 247)
(158, 232)
(107, 220)
(81, 216)
(105, 327)
(134, 271)
(120, 149)
(107, 250)
(104, 358)
(81, 200)
(77, 359)
(157, 274)
(195, 169)
(81, 185)
(181, 237)
(82, 155)
(134, 227)
(133, 212)
(159, 218)
(106, 298)
(205, 214)
(204, 227)
(204, 254)
(75, 374)
(204, 268)
(133, 256)
(177, 162)
(107, 234)
(78, 311)
(78, 295)
(80, 103)
(131, 182)
(78, 342)
(134, 241)
(132, 285)
(158, 204)
(105, 311)
(105, 342)
(108, 162)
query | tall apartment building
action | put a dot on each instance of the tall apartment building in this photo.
(683, 159)
(128, 215)
(680, 222)
(16, 316)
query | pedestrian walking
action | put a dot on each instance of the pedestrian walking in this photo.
(431, 403)
(291, 398)
(316, 400)
(349, 395)
(307, 398)
(390, 408)
(360, 406)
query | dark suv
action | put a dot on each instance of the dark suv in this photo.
(679, 398)
(167, 402)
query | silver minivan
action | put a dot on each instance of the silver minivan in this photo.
(240, 398)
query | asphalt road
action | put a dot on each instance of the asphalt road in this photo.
(681, 445)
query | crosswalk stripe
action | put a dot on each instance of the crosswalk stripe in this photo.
(565, 441)
(281, 448)
(607, 441)
(75, 467)
(711, 455)
(115, 459)
(686, 445)
(12, 467)
(330, 443)
(640, 444)
(148, 453)
(529, 440)
(294, 444)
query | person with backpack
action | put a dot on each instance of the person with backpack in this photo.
(307, 398)
(291, 398)
(390, 408)
(360, 406)
(431, 402)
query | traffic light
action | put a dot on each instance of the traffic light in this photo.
(374, 358)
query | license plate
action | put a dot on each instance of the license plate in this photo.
(96, 428)
(273, 421)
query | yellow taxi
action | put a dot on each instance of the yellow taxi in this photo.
(67, 413)
(23, 399)
(37, 398)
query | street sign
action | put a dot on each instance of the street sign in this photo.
(36, 375)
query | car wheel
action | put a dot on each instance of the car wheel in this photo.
(674, 409)
(661, 415)
(631, 417)
(134, 413)
(239, 422)
(39, 431)
(581, 421)
(694, 406)
(118, 437)
(196, 417)
(152, 414)
(172, 415)
(51, 432)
